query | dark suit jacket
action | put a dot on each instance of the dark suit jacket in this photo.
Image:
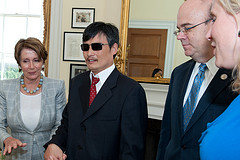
(112, 128)
(175, 144)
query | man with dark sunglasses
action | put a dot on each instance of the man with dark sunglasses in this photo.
(106, 114)
(196, 95)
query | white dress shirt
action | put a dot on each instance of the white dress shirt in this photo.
(103, 75)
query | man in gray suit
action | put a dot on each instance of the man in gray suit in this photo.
(177, 142)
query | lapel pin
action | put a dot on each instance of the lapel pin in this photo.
(224, 76)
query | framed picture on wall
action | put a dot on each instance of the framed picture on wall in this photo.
(82, 17)
(71, 46)
(76, 69)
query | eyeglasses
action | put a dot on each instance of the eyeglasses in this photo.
(94, 46)
(185, 30)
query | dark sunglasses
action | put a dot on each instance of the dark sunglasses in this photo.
(94, 46)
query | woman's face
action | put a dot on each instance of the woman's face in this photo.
(30, 63)
(223, 32)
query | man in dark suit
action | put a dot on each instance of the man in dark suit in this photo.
(112, 126)
(177, 143)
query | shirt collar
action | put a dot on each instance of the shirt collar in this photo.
(103, 75)
(210, 65)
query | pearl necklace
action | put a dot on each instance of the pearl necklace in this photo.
(33, 91)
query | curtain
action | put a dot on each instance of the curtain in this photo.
(46, 33)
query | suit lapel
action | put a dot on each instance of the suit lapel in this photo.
(103, 95)
(214, 88)
(43, 108)
(84, 92)
(18, 108)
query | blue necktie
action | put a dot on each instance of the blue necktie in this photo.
(190, 104)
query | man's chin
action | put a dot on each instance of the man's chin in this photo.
(188, 53)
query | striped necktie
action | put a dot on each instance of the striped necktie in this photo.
(190, 105)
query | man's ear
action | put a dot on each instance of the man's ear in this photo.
(114, 48)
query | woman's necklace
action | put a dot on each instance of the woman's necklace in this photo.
(31, 91)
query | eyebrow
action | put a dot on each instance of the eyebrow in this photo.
(212, 14)
(184, 24)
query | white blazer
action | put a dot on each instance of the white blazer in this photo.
(53, 101)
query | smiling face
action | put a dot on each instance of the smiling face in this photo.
(195, 45)
(98, 61)
(223, 34)
(31, 65)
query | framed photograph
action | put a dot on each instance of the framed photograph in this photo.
(71, 46)
(82, 17)
(76, 69)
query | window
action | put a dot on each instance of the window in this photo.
(18, 19)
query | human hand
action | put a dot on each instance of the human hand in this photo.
(12, 143)
(53, 152)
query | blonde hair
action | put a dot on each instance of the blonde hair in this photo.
(233, 7)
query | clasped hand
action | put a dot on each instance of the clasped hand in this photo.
(53, 152)
(12, 143)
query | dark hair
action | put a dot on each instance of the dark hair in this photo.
(156, 70)
(107, 29)
(30, 43)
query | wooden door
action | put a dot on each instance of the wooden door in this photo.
(147, 51)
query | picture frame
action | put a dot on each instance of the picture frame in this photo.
(71, 47)
(76, 69)
(82, 17)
